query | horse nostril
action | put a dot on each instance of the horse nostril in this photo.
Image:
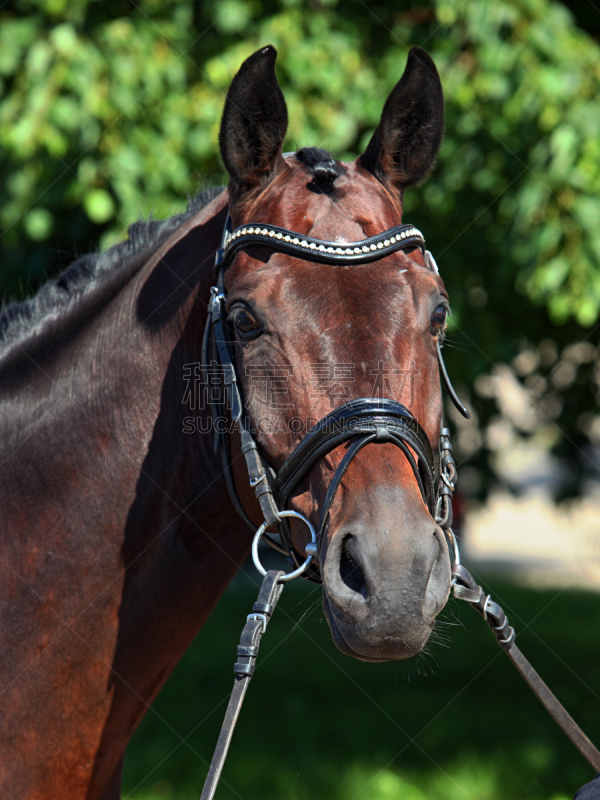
(350, 571)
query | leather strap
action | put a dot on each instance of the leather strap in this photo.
(366, 420)
(460, 407)
(256, 624)
(466, 588)
(257, 472)
(400, 237)
(385, 419)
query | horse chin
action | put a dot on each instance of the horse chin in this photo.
(352, 644)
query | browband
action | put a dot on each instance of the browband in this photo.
(309, 249)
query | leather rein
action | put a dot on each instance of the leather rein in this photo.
(362, 421)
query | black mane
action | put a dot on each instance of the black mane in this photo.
(20, 320)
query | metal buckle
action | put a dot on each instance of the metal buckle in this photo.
(260, 618)
(214, 303)
(455, 551)
(448, 482)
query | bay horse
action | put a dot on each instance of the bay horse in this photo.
(118, 531)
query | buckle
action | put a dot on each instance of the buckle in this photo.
(258, 618)
(215, 301)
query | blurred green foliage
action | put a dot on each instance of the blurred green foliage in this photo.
(109, 112)
(456, 723)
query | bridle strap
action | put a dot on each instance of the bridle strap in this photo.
(247, 651)
(338, 475)
(365, 420)
(400, 237)
(466, 588)
(460, 407)
(370, 419)
(257, 470)
(383, 417)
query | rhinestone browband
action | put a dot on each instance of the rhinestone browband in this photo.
(305, 247)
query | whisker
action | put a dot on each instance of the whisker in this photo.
(453, 346)
(308, 610)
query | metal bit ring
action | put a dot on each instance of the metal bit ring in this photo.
(290, 575)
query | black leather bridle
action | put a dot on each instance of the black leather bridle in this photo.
(359, 421)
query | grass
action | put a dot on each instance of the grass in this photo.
(456, 723)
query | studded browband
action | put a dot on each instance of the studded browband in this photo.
(324, 252)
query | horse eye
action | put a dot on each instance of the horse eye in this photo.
(438, 320)
(245, 324)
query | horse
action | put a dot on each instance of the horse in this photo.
(119, 533)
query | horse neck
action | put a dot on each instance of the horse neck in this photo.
(92, 441)
(169, 302)
(108, 369)
(113, 517)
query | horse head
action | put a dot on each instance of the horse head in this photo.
(310, 336)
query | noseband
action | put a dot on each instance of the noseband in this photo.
(358, 422)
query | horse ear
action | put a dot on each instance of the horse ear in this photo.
(406, 142)
(254, 122)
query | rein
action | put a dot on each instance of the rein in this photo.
(362, 421)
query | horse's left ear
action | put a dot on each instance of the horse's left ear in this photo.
(406, 142)
(254, 122)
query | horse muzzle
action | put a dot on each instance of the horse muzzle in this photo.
(386, 576)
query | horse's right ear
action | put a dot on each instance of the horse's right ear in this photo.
(254, 122)
(406, 142)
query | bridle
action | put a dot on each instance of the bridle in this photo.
(361, 421)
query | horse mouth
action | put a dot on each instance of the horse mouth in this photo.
(374, 652)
